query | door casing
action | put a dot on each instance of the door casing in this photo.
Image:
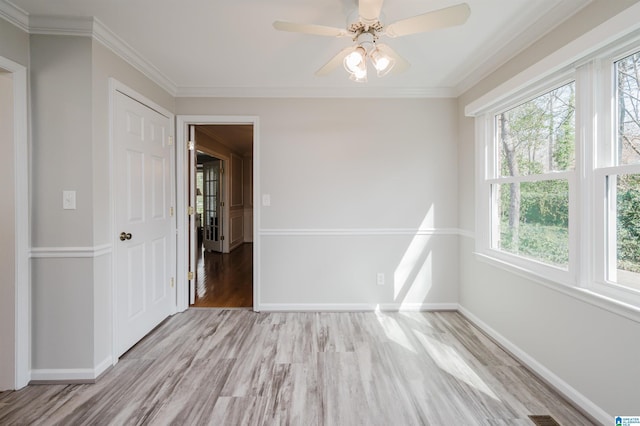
(22, 316)
(182, 178)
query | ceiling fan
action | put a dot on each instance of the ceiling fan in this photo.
(366, 29)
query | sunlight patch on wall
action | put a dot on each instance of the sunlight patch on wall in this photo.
(412, 277)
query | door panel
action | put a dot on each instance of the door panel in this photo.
(143, 263)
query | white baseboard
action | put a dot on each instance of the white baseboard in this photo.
(103, 366)
(356, 307)
(579, 400)
(63, 375)
(70, 375)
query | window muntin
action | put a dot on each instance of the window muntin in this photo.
(535, 151)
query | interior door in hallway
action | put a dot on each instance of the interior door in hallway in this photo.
(145, 248)
(213, 217)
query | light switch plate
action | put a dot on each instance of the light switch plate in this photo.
(69, 200)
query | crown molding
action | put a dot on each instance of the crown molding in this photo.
(110, 40)
(315, 92)
(61, 25)
(85, 27)
(507, 48)
(12, 13)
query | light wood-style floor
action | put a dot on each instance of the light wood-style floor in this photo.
(237, 367)
(225, 280)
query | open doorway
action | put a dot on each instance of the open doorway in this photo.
(223, 190)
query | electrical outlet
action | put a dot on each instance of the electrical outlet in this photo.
(380, 278)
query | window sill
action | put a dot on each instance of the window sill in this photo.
(593, 298)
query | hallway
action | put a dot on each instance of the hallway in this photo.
(225, 280)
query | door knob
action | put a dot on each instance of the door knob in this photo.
(125, 236)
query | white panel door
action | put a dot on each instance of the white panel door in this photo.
(144, 249)
(212, 217)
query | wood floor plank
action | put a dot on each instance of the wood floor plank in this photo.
(225, 280)
(219, 367)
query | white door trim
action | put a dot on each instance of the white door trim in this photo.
(117, 86)
(22, 348)
(182, 170)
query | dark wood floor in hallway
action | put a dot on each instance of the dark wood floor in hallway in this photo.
(225, 280)
(238, 367)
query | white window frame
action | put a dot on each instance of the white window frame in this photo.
(590, 61)
(487, 165)
(604, 208)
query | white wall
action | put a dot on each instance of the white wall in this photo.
(365, 175)
(594, 352)
(15, 43)
(62, 289)
(7, 234)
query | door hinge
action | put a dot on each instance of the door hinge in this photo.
(172, 282)
(189, 275)
(222, 204)
(170, 140)
(191, 145)
(170, 211)
(221, 171)
(222, 238)
(190, 210)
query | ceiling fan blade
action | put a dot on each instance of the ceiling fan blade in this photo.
(442, 18)
(401, 63)
(310, 29)
(334, 62)
(369, 10)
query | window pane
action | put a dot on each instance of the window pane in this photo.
(199, 192)
(539, 135)
(534, 220)
(627, 71)
(627, 192)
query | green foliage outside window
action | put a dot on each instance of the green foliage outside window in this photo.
(543, 230)
(628, 223)
(537, 138)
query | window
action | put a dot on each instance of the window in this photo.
(558, 175)
(623, 178)
(534, 148)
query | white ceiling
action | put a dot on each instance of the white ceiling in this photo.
(229, 48)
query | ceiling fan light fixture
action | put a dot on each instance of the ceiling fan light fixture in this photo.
(360, 76)
(382, 62)
(354, 62)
